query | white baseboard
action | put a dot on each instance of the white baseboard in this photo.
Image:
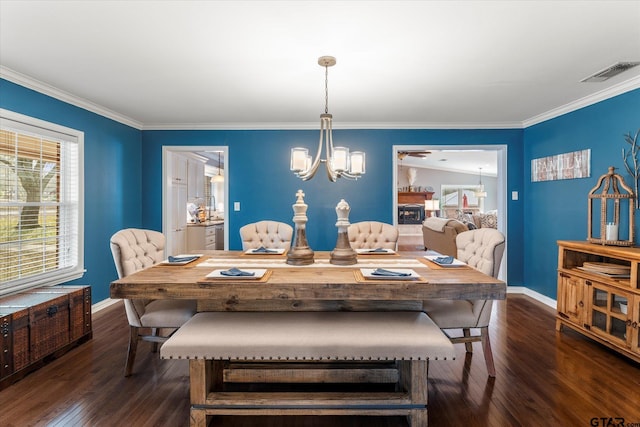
(533, 294)
(100, 305)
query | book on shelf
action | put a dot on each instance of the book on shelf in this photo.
(609, 275)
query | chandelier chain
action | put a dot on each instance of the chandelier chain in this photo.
(326, 89)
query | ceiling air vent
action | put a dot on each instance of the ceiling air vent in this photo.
(609, 72)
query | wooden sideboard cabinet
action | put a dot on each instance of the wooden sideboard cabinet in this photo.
(604, 307)
(39, 325)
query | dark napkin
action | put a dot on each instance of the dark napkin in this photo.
(263, 250)
(182, 258)
(383, 272)
(377, 250)
(444, 260)
(237, 272)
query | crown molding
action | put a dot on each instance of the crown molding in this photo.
(342, 125)
(615, 90)
(231, 126)
(46, 89)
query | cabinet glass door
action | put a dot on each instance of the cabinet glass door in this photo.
(609, 313)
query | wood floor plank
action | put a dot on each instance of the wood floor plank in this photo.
(543, 378)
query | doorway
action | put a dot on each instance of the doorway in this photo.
(460, 165)
(213, 161)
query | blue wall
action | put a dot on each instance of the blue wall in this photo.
(123, 175)
(557, 210)
(259, 177)
(113, 182)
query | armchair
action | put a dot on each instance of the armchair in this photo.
(269, 234)
(372, 235)
(133, 250)
(482, 249)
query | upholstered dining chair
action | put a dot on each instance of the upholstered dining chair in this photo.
(267, 234)
(372, 235)
(481, 249)
(133, 250)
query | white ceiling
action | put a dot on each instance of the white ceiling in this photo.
(253, 64)
(465, 161)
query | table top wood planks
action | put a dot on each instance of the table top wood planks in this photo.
(317, 287)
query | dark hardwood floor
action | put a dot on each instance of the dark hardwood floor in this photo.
(543, 378)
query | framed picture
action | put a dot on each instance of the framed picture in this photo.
(460, 196)
(576, 164)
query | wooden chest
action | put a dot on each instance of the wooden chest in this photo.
(40, 324)
(14, 341)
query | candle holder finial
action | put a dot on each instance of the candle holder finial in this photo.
(300, 253)
(343, 254)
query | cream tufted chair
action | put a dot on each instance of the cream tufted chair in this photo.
(372, 235)
(133, 250)
(268, 234)
(482, 249)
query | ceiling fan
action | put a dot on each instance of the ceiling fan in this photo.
(420, 154)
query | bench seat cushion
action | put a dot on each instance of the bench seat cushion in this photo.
(309, 336)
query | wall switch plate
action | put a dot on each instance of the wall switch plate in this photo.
(514, 195)
(236, 206)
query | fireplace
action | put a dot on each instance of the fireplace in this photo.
(410, 214)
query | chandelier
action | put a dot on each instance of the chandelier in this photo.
(339, 162)
(480, 192)
(218, 178)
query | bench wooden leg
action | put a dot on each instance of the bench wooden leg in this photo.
(418, 418)
(197, 381)
(413, 379)
(197, 418)
(204, 376)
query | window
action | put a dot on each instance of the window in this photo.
(41, 204)
(460, 196)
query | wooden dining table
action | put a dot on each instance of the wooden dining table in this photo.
(321, 286)
(390, 387)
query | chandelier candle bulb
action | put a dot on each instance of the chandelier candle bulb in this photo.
(357, 163)
(341, 159)
(299, 159)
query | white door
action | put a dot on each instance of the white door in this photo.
(175, 170)
(175, 228)
(177, 239)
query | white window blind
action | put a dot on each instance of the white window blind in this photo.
(41, 204)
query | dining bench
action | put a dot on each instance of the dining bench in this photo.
(318, 348)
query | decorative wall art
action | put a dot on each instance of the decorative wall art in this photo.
(576, 164)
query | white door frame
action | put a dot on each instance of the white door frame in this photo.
(501, 183)
(166, 187)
